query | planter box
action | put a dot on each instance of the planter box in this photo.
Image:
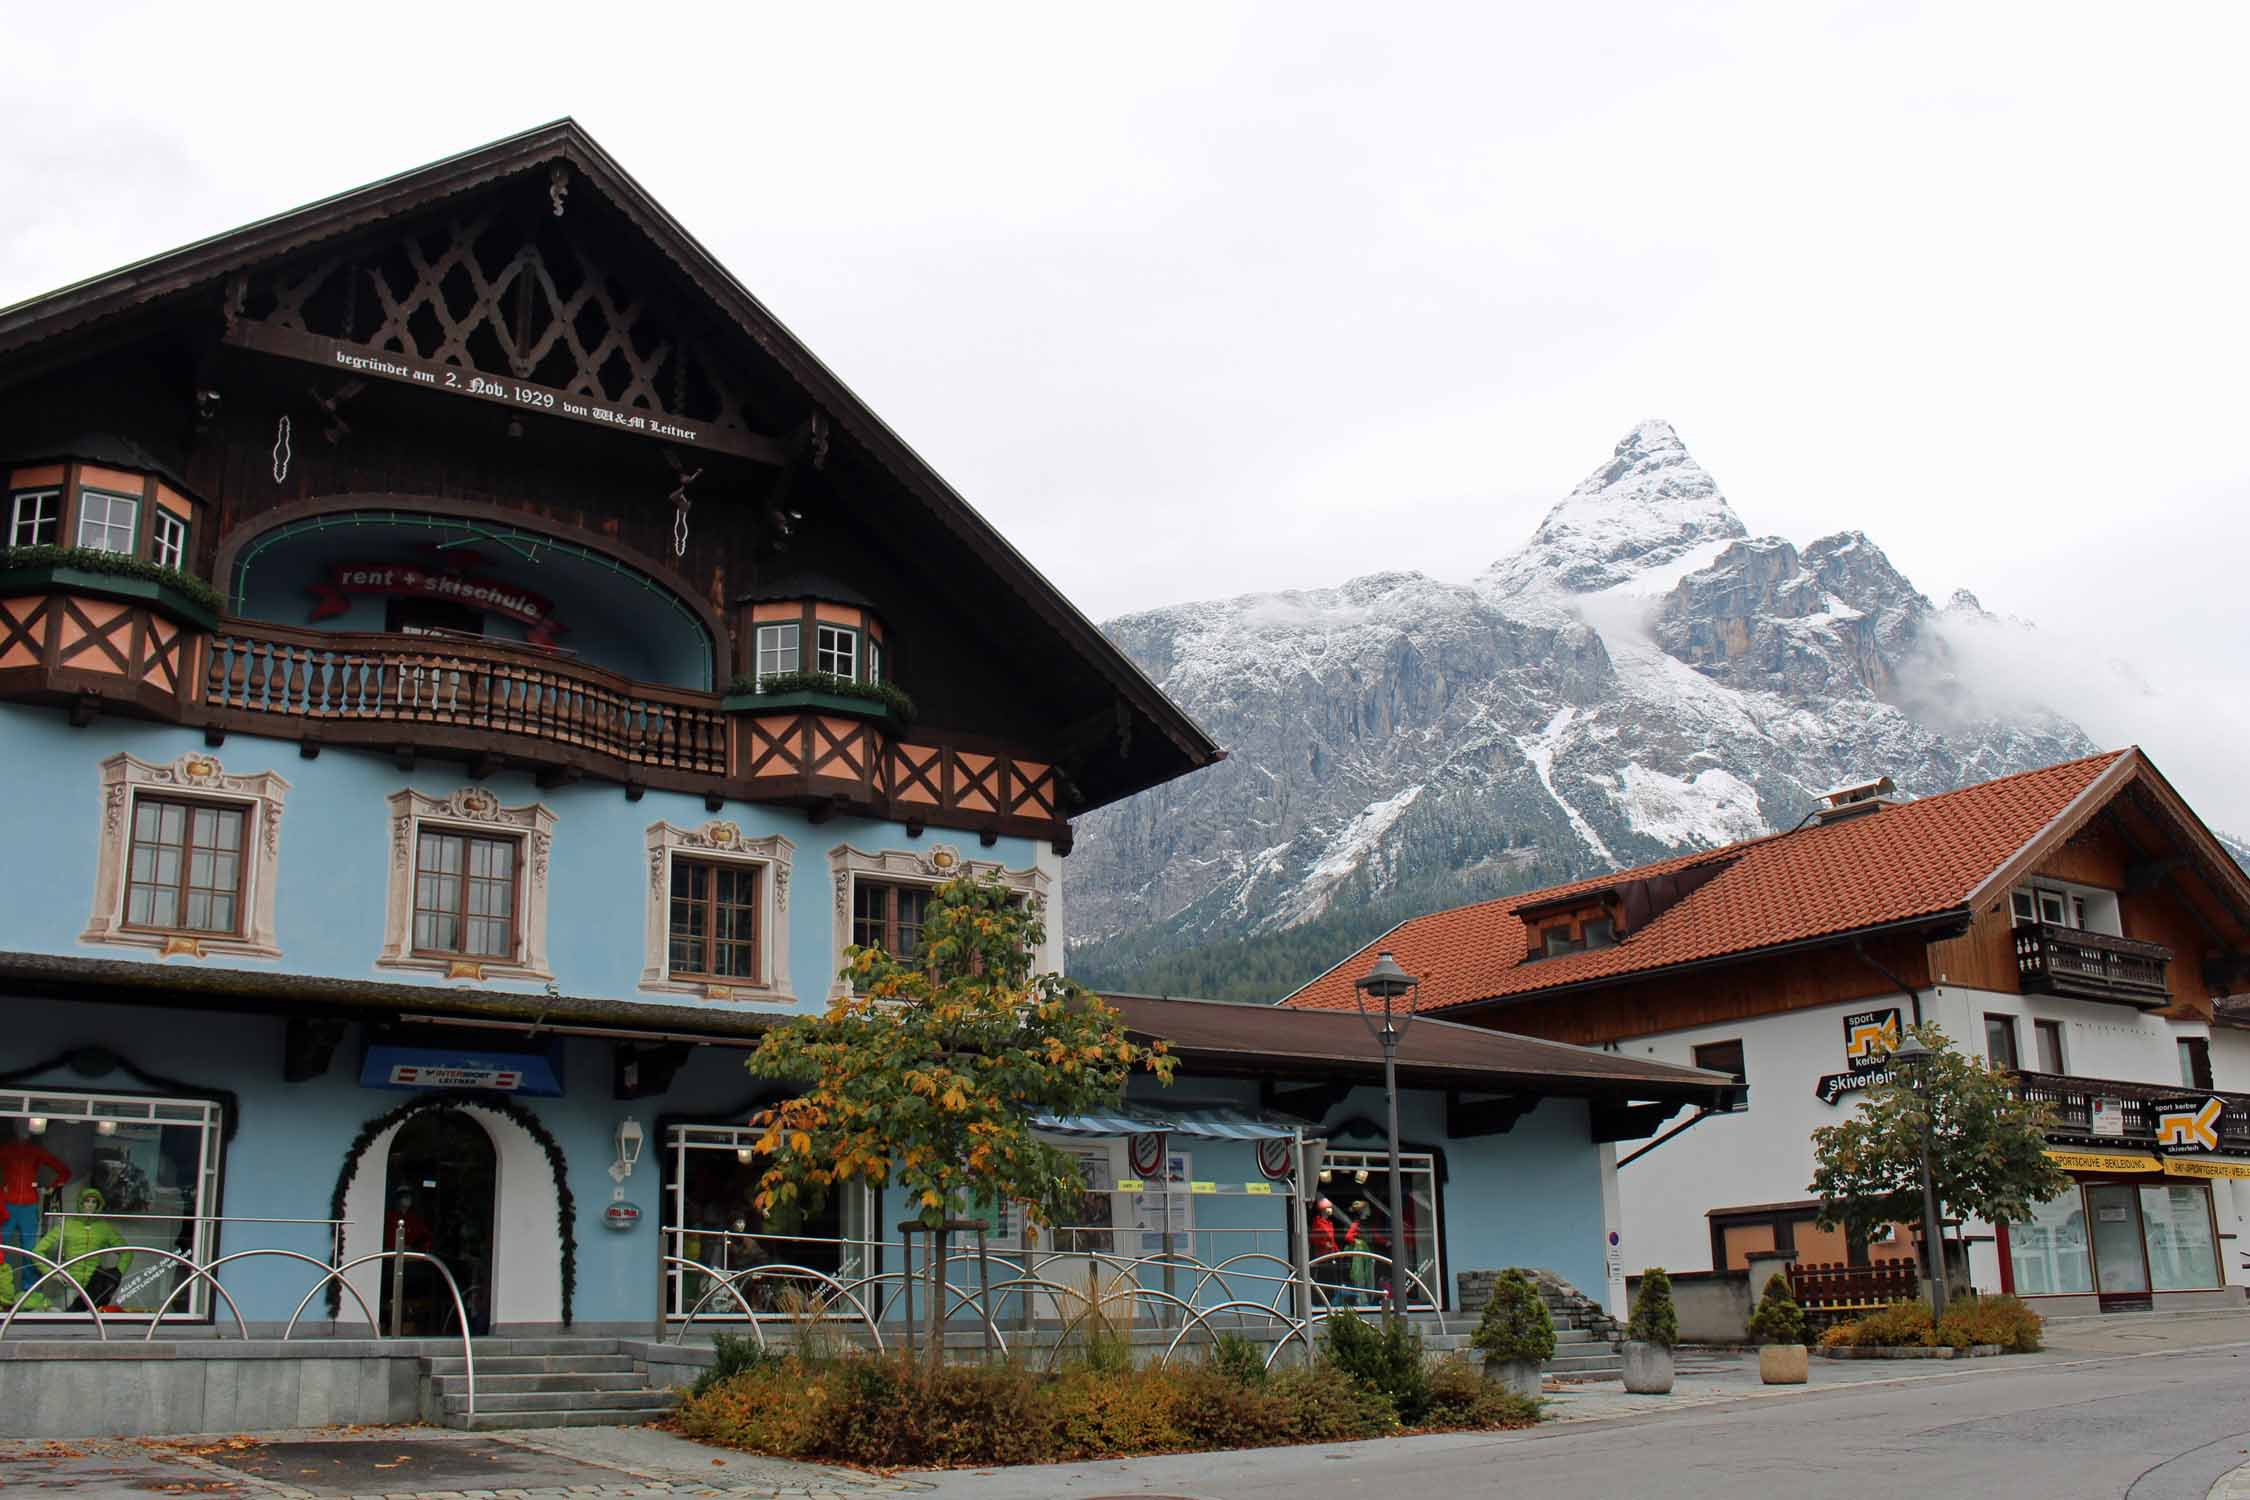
(1915, 1351)
(60, 578)
(826, 703)
(1782, 1364)
(1648, 1368)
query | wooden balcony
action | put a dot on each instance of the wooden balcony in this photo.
(2073, 1099)
(2053, 960)
(449, 693)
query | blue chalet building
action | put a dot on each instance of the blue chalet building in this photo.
(465, 670)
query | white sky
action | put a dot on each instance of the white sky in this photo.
(1198, 299)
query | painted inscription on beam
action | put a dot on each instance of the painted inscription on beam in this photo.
(517, 395)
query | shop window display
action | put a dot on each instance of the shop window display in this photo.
(107, 1178)
(2176, 1225)
(2049, 1251)
(1357, 1184)
(712, 1218)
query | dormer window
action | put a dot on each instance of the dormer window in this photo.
(171, 540)
(1598, 932)
(837, 652)
(777, 651)
(108, 523)
(35, 519)
(1575, 923)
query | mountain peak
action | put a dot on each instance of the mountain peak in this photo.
(1648, 506)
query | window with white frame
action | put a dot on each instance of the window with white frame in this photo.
(717, 922)
(836, 651)
(883, 898)
(874, 660)
(777, 651)
(188, 859)
(2060, 904)
(152, 1167)
(171, 540)
(106, 522)
(34, 518)
(468, 886)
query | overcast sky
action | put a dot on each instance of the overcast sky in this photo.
(1193, 300)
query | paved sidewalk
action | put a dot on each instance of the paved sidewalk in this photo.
(422, 1463)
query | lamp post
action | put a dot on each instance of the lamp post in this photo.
(1389, 983)
(1914, 1055)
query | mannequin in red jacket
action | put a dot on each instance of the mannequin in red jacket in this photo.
(1328, 1233)
(20, 1189)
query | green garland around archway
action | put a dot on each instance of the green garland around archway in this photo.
(566, 1209)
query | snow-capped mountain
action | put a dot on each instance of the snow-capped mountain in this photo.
(1641, 677)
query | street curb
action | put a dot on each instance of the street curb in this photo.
(2234, 1485)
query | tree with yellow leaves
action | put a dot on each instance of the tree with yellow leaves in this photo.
(927, 1074)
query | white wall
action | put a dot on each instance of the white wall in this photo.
(1764, 1154)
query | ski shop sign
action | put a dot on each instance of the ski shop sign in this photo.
(332, 595)
(1869, 1038)
(2189, 1126)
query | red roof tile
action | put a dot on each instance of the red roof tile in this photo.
(1916, 859)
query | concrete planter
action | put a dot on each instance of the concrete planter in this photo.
(1648, 1368)
(1518, 1377)
(1784, 1364)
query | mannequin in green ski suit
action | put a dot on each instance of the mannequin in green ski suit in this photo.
(79, 1234)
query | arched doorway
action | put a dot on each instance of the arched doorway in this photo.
(439, 1188)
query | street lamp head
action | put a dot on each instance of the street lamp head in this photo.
(1386, 980)
(1387, 983)
(1912, 1051)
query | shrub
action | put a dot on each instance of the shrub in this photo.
(1236, 1358)
(984, 1414)
(1655, 1320)
(1515, 1324)
(736, 1353)
(1838, 1335)
(901, 707)
(1998, 1320)
(887, 1411)
(1902, 1325)
(1324, 1408)
(1460, 1396)
(116, 564)
(1216, 1410)
(1384, 1358)
(1778, 1319)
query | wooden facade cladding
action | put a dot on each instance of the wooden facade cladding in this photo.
(1759, 986)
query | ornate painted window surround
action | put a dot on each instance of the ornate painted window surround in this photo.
(722, 842)
(197, 776)
(473, 809)
(934, 866)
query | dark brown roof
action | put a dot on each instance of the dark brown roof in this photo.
(178, 276)
(1270, 1041)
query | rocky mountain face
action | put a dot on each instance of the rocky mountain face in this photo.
(1641, 677)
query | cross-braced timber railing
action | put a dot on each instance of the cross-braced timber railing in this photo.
(341, 686)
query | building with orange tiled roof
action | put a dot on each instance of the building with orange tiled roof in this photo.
(2078, 924)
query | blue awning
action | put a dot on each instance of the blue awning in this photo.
(1205, 1124)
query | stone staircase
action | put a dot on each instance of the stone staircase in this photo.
(541, 1383)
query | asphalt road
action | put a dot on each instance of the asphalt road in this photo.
(2145, 1427)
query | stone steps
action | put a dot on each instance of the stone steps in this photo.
(541, 1383)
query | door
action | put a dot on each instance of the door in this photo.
(2120, 1267)
(438, 1199)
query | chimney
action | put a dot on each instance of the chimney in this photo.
(1855, 798)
